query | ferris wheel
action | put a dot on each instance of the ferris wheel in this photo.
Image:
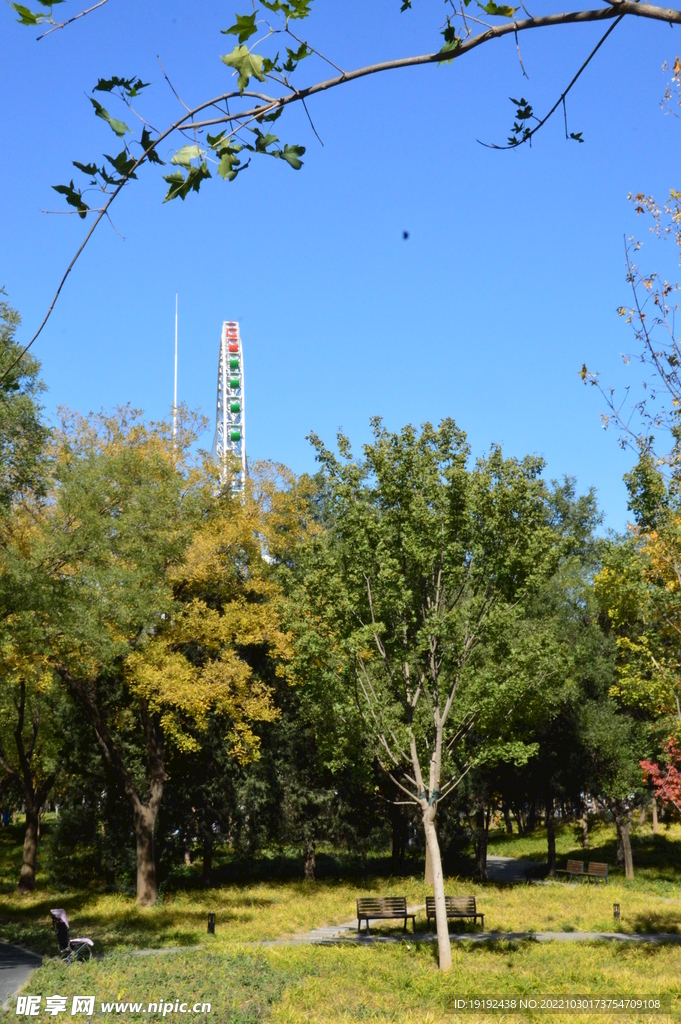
(230, 426)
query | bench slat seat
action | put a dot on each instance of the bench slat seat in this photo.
(574, 867)
(382, 908)
(458, 908)
(597, 871)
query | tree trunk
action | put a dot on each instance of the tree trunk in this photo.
(207, 861)
(310, 863)
(532, 817)
(656, 827)
(144, 814)
(620, 844)
(398, 840)
(507, 819)
(585, 829)
(27, 877)
(443, 944)
(145, 823)
(480, 844)
(623, 823)
(642, 815)
(551, 835)
(428, 873)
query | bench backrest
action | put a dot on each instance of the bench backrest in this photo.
(600, 870)
(576, 867)
(454, 905)
(382, 906)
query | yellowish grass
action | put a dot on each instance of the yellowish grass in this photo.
(332, 985)
(403, 984)
(273, 910)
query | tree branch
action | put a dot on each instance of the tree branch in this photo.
(69, 21)
(618, 9)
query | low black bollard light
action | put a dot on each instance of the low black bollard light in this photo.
(211, 924)
(616, 911)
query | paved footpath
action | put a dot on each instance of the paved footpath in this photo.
(346, 934)
(16, 965)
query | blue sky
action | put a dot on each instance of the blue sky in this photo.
(509, 280)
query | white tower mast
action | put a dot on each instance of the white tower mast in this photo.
(230, 426)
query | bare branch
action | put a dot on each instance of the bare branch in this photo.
(69, 21)
(452, 785)
(561, 98)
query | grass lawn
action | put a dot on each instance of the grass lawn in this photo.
(332, 985)
(396, 982)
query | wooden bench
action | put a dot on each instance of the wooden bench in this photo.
(382, 908)
(458, 907)
(596, 871)
(574, 867)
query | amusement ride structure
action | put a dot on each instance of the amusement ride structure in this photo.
(230, 426)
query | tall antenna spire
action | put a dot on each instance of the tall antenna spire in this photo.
(175, 392)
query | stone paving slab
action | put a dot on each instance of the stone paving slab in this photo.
(16, 966)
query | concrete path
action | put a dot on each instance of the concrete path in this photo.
(656, 938)
(511, 870)
(16, 966)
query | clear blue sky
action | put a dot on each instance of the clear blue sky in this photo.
(509, 280)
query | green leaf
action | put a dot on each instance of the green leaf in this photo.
(185, 155)
(181, 186)
(270, 117)
(247, 64)
(498, 10)
(145, 142)
(27, 17)
(263, 141)
(292, 9)
(119, 127)
(271, 65)
(130, 86)
(244, 27)
(291, 155)
(74, 197)
(214, 140)
(452, 41)
(122, 163)
(230, 164)
(524, 110)
(295, 56)
(90, 169)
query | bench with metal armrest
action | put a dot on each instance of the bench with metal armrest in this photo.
(574, 867)
(382, 908)
(458, 907)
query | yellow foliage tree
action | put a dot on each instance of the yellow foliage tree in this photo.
(164, 599)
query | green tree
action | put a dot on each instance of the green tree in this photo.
(423, 565)
(28, 744)
(613, 744)
(159, 587)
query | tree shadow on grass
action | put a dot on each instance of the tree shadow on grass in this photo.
(656, 921)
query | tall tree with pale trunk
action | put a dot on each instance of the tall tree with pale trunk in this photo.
(423, 564)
